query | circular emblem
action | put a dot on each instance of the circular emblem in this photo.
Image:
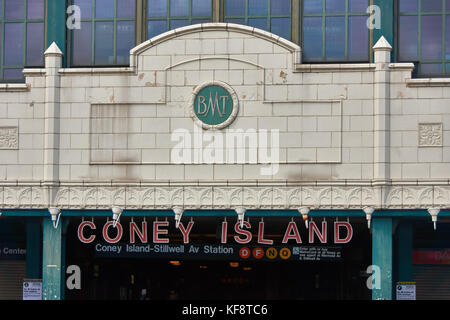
(271, 253)
(285, 253)
(214, 105)
(244, 253)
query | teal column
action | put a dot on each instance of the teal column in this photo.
(52, 281)
(404, 252)
(387, 22)
(33, 256)
(382, 258)
(56, 24)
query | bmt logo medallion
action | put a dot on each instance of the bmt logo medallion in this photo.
(214, 105)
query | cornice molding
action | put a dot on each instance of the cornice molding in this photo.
(225, 197)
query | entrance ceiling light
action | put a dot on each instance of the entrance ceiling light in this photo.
(304, 212)
(434, 213)
(178, 213)
(240, 212)
(368, 211)
(55, 214)
(117, 212)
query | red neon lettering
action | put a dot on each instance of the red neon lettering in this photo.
(349, 228)
(261, 239)
(186, 232)
(80, 231)
(119, 232)
(157, 231)
(247, 234)
(292, 227)
(142, 235)
(313, 229)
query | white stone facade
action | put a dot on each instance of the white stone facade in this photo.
(350, 135)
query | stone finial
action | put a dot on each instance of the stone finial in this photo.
(382, 45)
(53, 50)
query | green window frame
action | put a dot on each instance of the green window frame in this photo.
(25, 21)
(324, 15)
(94, 21)
(425, 66)
(157, 24)
(247, 18)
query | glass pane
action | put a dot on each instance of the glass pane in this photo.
(409, 5)
(358, 38)
(335, 6)
(408, 27)
(447, 68)
(260, 23)
(14, 9)
(312, 6)
(430, 68)
(431, 5)
(358, 5)
(157, 8)
(85, 8)
(13, 74)
(179, 8)
(125, 41)
(156, 27)
(197, 21)
(447, 5)
(234, 7)
(237, 21)
(257, 8)
(280, 7)
(35, 44)
(431, 37)
(447, 38)
(104, 8)
(335, 37)
(14, 35)
(281, 27)
(126, 8)
(82, 45)
(104, 43)
(312, 37)
(201, 8)
(35, 9)
(178, 24)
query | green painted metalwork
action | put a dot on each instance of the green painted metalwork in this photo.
(52, 266)
(33, 264)
(416, 214)
(347, 14)
(404, 251)
(56, 24)
(387, 21)
(382, 257)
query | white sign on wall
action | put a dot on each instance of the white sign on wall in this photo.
(32, 289)
(406, 291)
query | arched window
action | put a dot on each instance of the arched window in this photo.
(269, 15)
(165, 15)
(424, 35)
(107, 32)
(335, 30)
(22, 37)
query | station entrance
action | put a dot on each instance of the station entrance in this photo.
(221, 268)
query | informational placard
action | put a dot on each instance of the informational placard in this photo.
(32, 289)
(406, 291)
(218, 252)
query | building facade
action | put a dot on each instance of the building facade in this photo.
(327, 118)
